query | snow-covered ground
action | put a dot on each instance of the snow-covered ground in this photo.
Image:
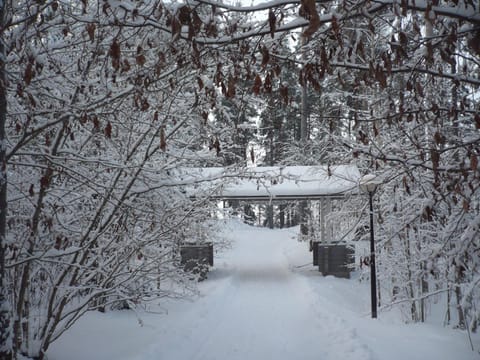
(262, 301)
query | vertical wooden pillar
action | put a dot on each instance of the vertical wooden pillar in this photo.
(326, 227)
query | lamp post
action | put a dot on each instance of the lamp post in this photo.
(369, 184)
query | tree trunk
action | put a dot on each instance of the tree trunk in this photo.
(282, 215)
(5, 332)
(302, 205)
(448, 316)
(458, 296)
(425, 290)
(269, 213)
(410, 288)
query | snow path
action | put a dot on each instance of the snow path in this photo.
(263, 300)
(260, 309)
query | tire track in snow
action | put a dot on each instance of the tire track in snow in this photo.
(259, 309)
(264, 315)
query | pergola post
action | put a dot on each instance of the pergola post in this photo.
(322, 221)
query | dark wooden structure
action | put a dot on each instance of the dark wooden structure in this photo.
(333, 259)
(196, 258)
(314, 250)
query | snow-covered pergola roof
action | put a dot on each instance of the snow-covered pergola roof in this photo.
(276, 182)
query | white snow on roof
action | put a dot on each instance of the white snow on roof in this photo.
(275, 182)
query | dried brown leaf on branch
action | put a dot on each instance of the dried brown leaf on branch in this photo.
(265, 56)
(108, 130)
(96, 122)
(115, 54)
(211, 30)
(473, 162)
(427, 213)
(91, 32)
(257, 85)
(439, 138)
(216, 146)
(419, 89)
(435, 157)
(200, 83)
(196, 22)
(184, 15)
(380, 76)
(230, 87)
(267, 84)
(403, 38)
(125, 66)
(474, 43)
(272, 22)
(309, 11)
(176, 28)
(140, 60)
(336, 29)
(29, 73)
(163, 142)
(363, 137)
(145, 104)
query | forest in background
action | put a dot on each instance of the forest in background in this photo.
(101, 102)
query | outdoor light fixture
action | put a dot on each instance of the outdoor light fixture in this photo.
(369, 184)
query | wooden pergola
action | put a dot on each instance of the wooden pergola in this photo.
(286, 183)
(277, 183)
